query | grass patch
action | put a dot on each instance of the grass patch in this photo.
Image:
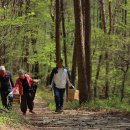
(11, 119)
(109, 104)
(72, 105)
(48, 97)
(112, 103)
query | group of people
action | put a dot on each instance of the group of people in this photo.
(27, 87)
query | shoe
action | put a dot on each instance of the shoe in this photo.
(31, 111)
(61, 109)
(57, 110)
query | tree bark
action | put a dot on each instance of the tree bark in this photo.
(103, 15)
(102, 7)
(73, 74)
(97, 75)
(57, 30)
(64, 32)
(82, 84)
(88, 44)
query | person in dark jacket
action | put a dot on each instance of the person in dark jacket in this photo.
(59, 78)
(24, 83)
(6, 86)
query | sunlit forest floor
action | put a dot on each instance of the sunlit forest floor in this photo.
(45, 119)
(71, 119)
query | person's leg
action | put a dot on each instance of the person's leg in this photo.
(62, 92)
(30, 103)
(4, 99)
(23, 104)
(10, 100)
(35, 89)
(57, 98)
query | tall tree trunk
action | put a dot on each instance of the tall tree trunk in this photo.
(125, 13)
(123, 83)
(97, 75)
(64, 31)
(106, 53)
(102, 8)
(88, 44)
(82, 80)
(107, 75)
(57, 30)
(100, 25)
(73, 74)
(125, 17)
(26, 39)
(110, 18)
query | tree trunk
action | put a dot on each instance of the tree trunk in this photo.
(73, 74)
(107, 76)
(123, 85)
(110, 18)
(88, 44)
(106, 53)
(103, 15)
(97, 75)
(82, 84)
(64, 31)
(57, 31)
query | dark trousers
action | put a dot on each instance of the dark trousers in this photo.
(59, 97)
(26, 102)
(4, 95)
(4, 98)
(33, 91)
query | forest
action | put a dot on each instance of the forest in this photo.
(91, 36)
(36, 33)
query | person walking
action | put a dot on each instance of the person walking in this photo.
(25, 83)
(59, 78)
(6, 87)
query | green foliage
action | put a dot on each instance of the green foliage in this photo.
(11, 119)
(72, 105)
(113, 103)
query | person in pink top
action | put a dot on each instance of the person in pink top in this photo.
(24, 83)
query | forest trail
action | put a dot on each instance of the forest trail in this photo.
(45, 119)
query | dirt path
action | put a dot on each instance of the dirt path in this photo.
(44, 119)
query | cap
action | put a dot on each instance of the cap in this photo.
(21, 71)
(2, 68)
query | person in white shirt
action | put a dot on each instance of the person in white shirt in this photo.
(59, 78)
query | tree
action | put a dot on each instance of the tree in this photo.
(57, 30)
(82, 84)
(64, 32)
(87, 39)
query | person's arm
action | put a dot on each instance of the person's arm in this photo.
(51, 77)
(15, 87)
(69, 79)
(29, 79)
(11, 81)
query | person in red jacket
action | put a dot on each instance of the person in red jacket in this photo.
(24, 83)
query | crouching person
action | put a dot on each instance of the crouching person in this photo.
(24, 83)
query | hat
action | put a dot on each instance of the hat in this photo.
(2, 68)
(21, 71)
